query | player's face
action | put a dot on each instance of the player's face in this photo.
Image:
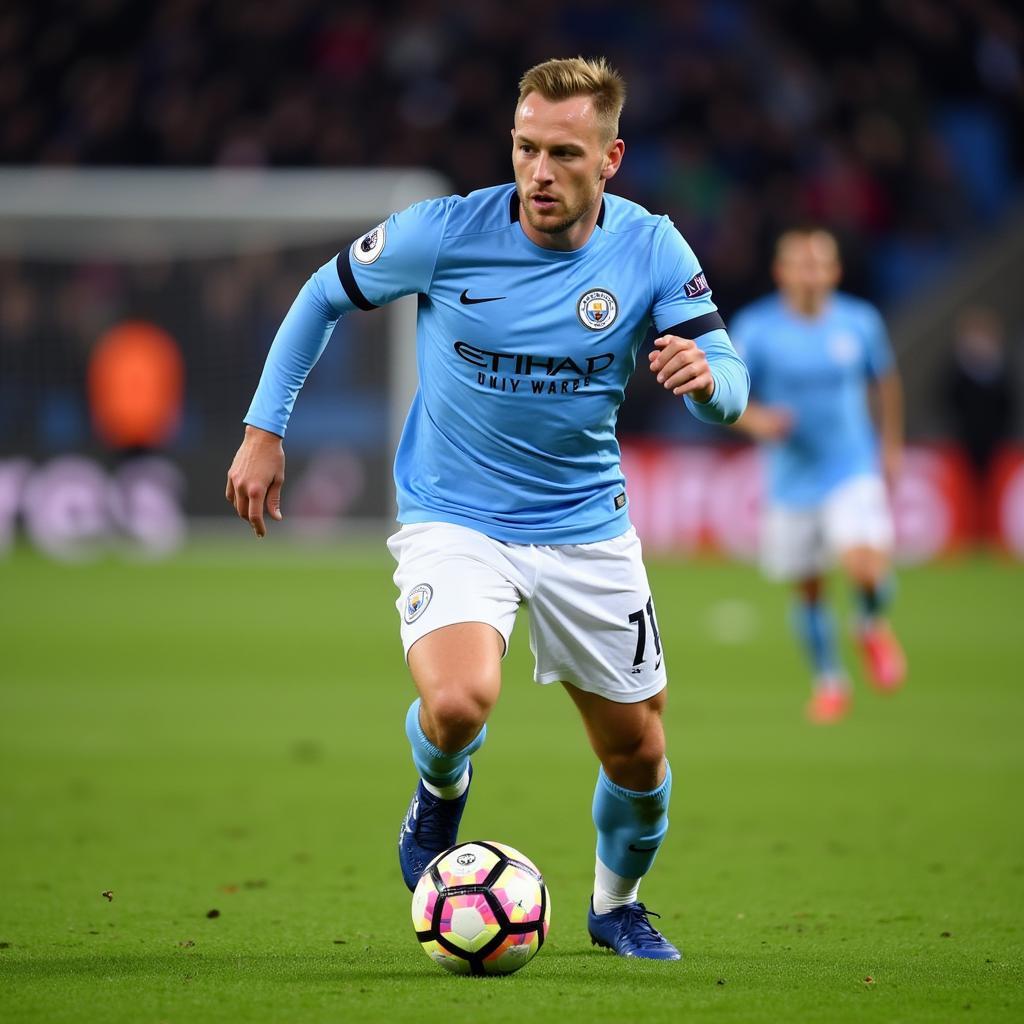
(807, 268)
(561, 160)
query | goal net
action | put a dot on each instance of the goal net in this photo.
(209, 262)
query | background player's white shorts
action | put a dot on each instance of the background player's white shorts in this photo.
(797, 543)
(592, 620)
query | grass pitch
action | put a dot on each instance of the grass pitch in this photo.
(216, 744)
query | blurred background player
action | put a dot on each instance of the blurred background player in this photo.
(819, 360)
(535, 299)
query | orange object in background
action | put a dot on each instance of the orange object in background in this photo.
(136, 382)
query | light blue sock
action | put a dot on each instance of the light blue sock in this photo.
(630, 825)
(433, 764)
(816, 629)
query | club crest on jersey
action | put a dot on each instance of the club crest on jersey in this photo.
(417, 601)
(696, 286)
(843, 348)
(370, 246)
(597, 309)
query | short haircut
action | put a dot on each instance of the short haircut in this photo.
(806, 232)
(564, 78)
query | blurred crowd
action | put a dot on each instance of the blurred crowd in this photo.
(897, 122)
(221, 313)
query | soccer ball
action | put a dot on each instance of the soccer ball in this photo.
(481, 908)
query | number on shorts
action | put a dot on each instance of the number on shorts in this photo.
(637, 617)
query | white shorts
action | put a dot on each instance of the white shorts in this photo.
(592, 619)
(797, 543)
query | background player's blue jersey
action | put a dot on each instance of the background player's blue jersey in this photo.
(523, 356)
(818, 369)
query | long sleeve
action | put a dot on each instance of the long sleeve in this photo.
(683, 306)
(393, 259)
(299, 342)
(732, 382)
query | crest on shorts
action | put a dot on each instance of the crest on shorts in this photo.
(370, 246)
(597, 309)
(417, 601)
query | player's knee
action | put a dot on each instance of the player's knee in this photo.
(865, 566)
(455, 714)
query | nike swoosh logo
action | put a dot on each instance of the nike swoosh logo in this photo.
(467, 301)
(642, 849)
(409, 821)
(657, 665)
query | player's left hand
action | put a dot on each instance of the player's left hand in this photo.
(682, 368)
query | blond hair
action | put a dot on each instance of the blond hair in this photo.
(563, 78)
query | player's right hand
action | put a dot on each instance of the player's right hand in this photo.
(766, 422)
(776, 423)
(255, 478)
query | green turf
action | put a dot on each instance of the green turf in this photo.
(224, 732)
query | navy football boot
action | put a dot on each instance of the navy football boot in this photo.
(429, 827)
(628, 932)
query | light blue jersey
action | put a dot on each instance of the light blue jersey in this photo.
(818, 369)
(523, 356)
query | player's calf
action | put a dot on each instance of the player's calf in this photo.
(884, 661)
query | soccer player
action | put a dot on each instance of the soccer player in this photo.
(534, 299)
(815, 356)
